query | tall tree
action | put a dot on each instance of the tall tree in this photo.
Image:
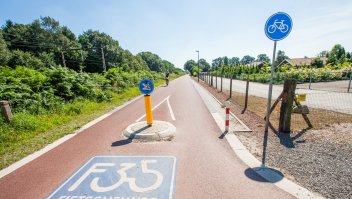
(44, 35)
(4, 52)
(338, 50)
(205, 65)
(322, 53)
(226, 61)
(114, 55)
(234, 61)
(218, 62)
(168, 66)
(154, 61)
(317, 63)
(348, 55)
(142, 63)
(280, 57)
(247, 59)
(332, 58)
(263, 57)
(189, 65)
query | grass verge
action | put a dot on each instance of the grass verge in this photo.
(29, 133)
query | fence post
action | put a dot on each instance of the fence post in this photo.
(211, 80)
(6, 110)
(349, 85)
(231, 87)
(227, 116)
(221, 83)
(216, 80)
(247, 86)
(286, 105)
(310, 80)
(263, 77)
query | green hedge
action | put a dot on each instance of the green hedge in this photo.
(39, 91)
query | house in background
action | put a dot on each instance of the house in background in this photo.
(259, 64)
(300, 61)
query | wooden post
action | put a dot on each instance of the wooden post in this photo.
(63, 58)
(274, 105)
(263, 77)
(231, 87)
(212, 79)
(221, 83)
(286, 105)
(247, 87)
(216, 80)
(305, 117)
(6, 110)
(102, 55)
(349, 85)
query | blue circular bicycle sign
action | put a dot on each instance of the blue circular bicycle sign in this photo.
(278, 26)
(146, 86)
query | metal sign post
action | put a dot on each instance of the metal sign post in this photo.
(146, 87)
(277, 27)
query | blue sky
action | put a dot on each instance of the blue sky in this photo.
(176, 29)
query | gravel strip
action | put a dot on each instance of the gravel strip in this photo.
(317, 159)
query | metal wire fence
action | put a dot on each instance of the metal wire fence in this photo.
(307, 78)
(328, 102)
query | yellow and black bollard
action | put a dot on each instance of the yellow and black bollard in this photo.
(148, 109)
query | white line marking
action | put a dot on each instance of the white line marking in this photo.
(172, 114)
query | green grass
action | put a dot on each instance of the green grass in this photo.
(28, 133)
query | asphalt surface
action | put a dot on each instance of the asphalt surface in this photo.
(207, 166)
(327, 99)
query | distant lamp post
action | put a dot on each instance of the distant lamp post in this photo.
(198, 64)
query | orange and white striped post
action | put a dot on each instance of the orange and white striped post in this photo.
(227, 116)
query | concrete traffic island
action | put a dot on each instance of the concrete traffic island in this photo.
(142, 130)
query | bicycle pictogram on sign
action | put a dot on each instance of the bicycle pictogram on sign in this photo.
(282, 27)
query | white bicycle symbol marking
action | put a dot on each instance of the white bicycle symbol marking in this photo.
(282, 27)
(131, 181)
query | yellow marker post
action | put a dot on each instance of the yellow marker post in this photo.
(148, 109)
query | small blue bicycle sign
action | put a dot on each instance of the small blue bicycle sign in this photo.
(146, 86)
(278, 26)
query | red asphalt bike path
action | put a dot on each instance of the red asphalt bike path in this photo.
(207, 166)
